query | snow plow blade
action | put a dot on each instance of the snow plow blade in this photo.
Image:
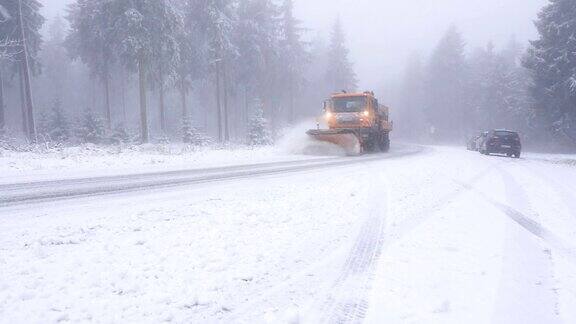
(346, 139)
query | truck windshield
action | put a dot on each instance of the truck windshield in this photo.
(346, 105)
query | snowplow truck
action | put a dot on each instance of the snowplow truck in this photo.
(356, 122)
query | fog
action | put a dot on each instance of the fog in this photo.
(382, 34)
(448, 69)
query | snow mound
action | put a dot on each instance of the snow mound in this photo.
(294, 140)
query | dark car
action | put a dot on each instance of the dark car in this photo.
(502, 142)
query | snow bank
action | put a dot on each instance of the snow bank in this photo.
(90, 160)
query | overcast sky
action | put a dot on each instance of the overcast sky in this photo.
(383, 33)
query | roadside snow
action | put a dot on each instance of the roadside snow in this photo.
(444, 236)
(90, 161)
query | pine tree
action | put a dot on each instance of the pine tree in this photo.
(258, 133)
(192, 135)
(410, 114)
(216, 19)
(552, 62)
(90, 39)
(10, 33)
(257, 65)
(23, 22)
(447, 87)
(145, 39)
(53, 126)
(119, 135)
(56, 65)
(340, 72)
(293, 55)
(91, 128)
(193, 49)
(59, 127)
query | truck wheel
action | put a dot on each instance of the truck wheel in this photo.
(369, 146)
(384, 143)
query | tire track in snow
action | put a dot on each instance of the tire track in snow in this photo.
(416, 219)
(68, 189)
(527, 223)
(528, 263)
(347, 301)
(568, 196)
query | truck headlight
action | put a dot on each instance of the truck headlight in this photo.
(366, 113)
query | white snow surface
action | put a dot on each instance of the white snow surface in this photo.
(441, 236)
(92, 161)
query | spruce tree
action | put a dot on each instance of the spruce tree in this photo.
(91, 128)
(192, 135)
(257, 65)
(258, 133)
(145, 34)
(447, 84)
(340, 72)
(23, 20)
(91, 38)
(293, 54)
(552, 62)
(410, 118)
(59, 127)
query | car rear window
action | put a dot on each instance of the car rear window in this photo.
(505, 134)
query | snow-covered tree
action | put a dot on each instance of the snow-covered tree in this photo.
(11, 35)
(91, 128)
(119, 135)
(293, 55)
(146, 41)
(192, 135)
(410, 113)
(340, 70)
(257, 65)
(58, 127)
(56, 63)
(552, 62)
(258, 132)
(447, 87)
(216, 19)
(53, 125)
(23, 21)
(193, 62)
(91, 40)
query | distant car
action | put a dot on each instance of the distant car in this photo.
(471, 144)
(480, 140)
(474, 142)
(502, 141)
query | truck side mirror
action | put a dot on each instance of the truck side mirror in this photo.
(325, 108)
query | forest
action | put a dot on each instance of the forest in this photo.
(241, 71)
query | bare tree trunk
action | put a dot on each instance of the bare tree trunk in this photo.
(246, 105)
(226, 112)
(2, 112)
(143, 109)
(291, 113)
(27, 85)
(107, 97)
(23, 103)
(183, 98)
(218, 103)
(162, 104)
(93, 106)
(123, 95)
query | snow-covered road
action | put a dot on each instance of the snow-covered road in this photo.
(422, 235)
